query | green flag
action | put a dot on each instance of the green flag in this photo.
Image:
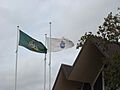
(30, 43)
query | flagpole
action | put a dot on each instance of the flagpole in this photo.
(16, 59)
(103, 81)
(50, 58)
(45, 72)
(45, 66)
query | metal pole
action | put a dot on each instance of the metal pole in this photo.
(45, 66)
(45, 73)
(103, 81)
(16, 58)
(92, 88)
(50, 58)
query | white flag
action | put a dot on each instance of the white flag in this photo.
(58, 44)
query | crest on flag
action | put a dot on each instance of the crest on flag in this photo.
(62, 44)
(32, 45)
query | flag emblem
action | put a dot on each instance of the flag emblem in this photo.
(33, 46)
(62, 44)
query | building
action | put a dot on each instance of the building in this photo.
(86, 72)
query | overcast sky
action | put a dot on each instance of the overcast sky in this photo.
(70, 18)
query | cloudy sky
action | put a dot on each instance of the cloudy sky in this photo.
(70, 18)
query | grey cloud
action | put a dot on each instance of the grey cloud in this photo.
(80, 17)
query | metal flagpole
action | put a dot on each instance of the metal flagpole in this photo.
(45, 73)
(50, 58)
(16, 58)
(45, 66)
(103, 81)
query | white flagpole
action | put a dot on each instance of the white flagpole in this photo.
(16, 58)
(50, 58)
(45, 73)
(45, 66)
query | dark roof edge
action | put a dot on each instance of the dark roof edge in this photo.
(61, 68)
(87, 41)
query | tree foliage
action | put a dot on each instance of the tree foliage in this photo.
(109, 30)
(112, 73)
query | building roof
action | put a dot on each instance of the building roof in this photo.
(66, 69)
(62, 83)
(87, 64)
